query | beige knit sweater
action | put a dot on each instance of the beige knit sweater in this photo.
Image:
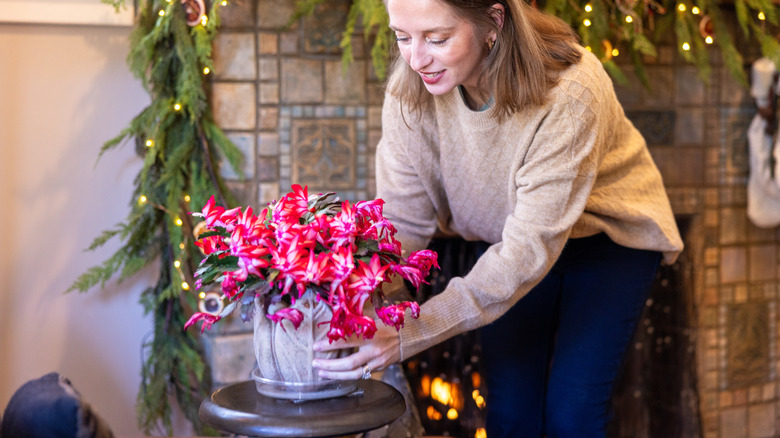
(572, 168)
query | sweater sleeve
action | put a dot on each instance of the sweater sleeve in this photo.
(408, 201)
(552, 183)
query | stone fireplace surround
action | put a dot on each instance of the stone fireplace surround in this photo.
(705, 356)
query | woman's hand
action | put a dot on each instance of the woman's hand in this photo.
(374, 354)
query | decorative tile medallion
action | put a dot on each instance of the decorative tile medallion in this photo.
(324, 153)
(324, 148)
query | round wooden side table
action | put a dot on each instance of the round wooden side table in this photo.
(240, 409)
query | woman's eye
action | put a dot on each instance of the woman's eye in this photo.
(401, 39)
(436, 42)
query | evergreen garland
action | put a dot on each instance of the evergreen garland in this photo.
(181, 146)
(633, 26)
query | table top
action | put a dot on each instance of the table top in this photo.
(240, 409)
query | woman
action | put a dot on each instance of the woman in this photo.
(499, 127)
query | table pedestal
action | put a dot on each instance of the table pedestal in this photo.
(240, 409)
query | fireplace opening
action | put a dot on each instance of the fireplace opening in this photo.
(654, 396)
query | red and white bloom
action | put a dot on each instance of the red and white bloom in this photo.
(342, 252)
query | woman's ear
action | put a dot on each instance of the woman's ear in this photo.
(497, 14)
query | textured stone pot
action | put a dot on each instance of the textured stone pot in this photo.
(284, 354)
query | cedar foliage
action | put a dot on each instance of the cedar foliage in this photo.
(181, 147)
(652, 23)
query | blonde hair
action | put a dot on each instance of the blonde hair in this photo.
(531, 48)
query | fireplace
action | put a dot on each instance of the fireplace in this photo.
(655, 396)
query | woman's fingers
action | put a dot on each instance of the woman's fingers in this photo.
(351, 367)
(374, 354)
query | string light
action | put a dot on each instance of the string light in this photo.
(761, 16)
(588, 48)
(588, 8)
(179, 222)
(206, 70)
(629, 19)
(686, 46)
(185, 285)
(615, 52)
(149, 143)
(162, 12)
(204, 19)
(480, 433)
(181, 246)
(586, 22)
(695, 10)
(177, 106)
(681, 7)
(709, 40)
(187, 198)
(224, 2)
(142, 199)
(177, 264)
(452, 414)
(202, 295)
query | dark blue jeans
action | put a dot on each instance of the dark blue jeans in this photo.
(551, 361)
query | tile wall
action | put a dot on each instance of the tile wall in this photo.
(284, 98)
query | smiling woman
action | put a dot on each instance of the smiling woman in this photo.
(498, 126)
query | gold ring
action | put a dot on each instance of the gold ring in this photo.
(366, 372)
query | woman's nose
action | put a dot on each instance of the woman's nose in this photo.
(419, 56)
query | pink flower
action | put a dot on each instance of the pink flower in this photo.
(295, 316)
(368, 276)
(343, 252)
(343, 229)
(208, 320)
(424, 260)
(394, 314)
(292, 206)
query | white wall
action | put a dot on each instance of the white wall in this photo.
(64, 90)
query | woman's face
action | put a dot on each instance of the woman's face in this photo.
(442, 48)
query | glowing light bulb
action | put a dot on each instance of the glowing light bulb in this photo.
(615, 52)
(586, 22)
(452, 414)
(149, 143)
(480, 433)
(179, 222)
(142, 199)
(686, 46)
(629, 19)
(695, 10)
(202, 295)
(681, 7)
(177, 106)
(204, 19)
(185, 285)
(177, 264)
(588, 8)
(709, 40)
(187, 198)
(181, 246)
(206, 70)
(761, 16)
(588, 48)
(162, 12)
(224, 2)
